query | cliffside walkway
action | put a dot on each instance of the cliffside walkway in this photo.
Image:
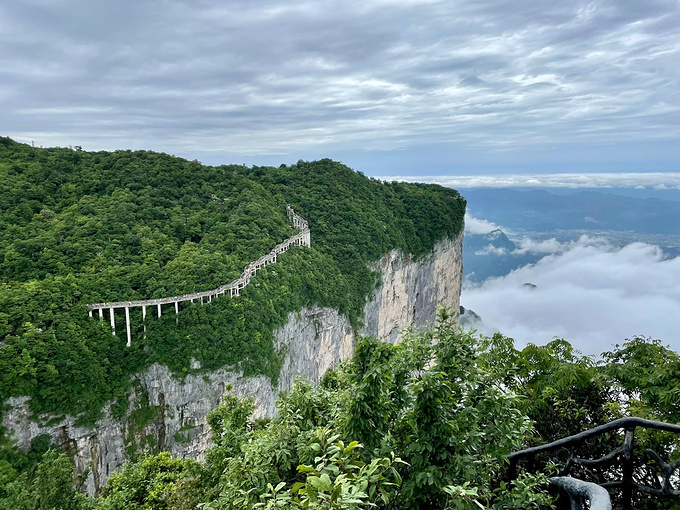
(303, 238)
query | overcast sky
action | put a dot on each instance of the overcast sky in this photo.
(390, 87)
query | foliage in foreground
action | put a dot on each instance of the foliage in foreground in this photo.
(425, 424)
(416, 425)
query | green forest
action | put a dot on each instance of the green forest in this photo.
(82, 227)
(426, 424)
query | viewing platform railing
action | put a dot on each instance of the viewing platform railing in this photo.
(658, 481)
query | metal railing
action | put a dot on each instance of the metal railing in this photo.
(578, 490)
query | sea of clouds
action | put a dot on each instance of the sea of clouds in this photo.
(588, 292)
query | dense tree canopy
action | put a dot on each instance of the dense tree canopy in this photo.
(424, 424)
(79, 227)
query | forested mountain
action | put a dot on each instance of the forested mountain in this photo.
(81, 227)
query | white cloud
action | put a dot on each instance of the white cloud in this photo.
(476, 226)
(552, 245)
(657, 180)
(492, 250)
(527, 245)
(592, 295)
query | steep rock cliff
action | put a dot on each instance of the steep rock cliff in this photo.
(167, 413)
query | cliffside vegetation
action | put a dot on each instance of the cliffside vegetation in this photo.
(79, 227)
(422, 425)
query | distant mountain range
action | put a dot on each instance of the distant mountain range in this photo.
(491, 255)
(546, 211)
(621, 216)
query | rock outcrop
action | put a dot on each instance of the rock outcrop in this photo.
(167, 413)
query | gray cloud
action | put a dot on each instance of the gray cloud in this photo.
(592, 294)
(295, 77)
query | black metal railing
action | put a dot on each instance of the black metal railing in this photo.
(620, 462)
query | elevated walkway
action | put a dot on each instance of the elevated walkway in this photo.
(302, 238)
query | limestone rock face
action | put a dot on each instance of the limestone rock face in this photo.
(411, 291)
(167, 413)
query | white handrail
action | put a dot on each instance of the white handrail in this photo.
(303, 238)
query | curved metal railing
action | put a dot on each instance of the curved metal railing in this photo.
(664, 473)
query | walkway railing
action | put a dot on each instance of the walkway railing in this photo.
(662, 476)
(303, 238)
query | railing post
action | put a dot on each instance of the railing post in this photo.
(627, 487)
(512, 469)
(127, 326)
(113, 321)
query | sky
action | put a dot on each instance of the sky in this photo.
(389, 87)
(589, 292)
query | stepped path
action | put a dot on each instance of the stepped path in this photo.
(302, 238)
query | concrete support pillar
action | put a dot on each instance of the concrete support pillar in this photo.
(144, 318)
(201, 299)
(209, 298)
(176, 312)
(113, 321)
(127, 326)
(101, 314)
(159, 310)
(90, 313)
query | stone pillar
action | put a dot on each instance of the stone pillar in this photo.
(127, 326)
(113, 321)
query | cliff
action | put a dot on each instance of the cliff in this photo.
(166, 413)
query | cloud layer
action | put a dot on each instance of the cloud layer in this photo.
(255, 78)
(593, 295)
(478, 226)
(656, 180)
